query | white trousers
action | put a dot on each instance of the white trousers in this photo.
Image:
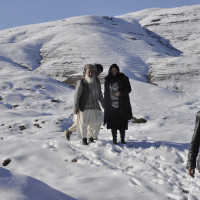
(89, 123)
(73, 127)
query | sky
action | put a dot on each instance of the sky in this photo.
(25, 12)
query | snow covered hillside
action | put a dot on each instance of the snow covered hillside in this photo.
(36, 107)
(181, 27)
(60, 49)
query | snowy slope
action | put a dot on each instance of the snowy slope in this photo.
(60, 49)
(181, 27)
(36, 109)
(19, 187)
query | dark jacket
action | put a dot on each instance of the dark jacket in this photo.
(124, 100)
(195, 144)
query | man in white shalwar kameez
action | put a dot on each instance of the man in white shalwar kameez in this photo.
(73, 127)
(87, 96)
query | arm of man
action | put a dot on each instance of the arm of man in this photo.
(77, 95)
(101, 99)
(194, 148)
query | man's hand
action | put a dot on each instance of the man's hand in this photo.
(117, 93)
(191, 171)
(76, 112)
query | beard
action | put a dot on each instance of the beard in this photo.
(90, 80)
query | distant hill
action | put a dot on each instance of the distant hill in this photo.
(60, 49)
(150, 45)
(181, 27)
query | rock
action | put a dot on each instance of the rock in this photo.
(139, 120)
(185, 191)
(74, 160)
(55, 101)
(72, 115)
(6, 162)
(22, 127)
(37, 125)
(15, 106)
(72, 80)
(107, 18)
(40, 87)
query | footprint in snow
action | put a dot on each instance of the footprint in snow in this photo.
(134, 182)
(51, 145)
(159, 158)
(180, 158)
(6, 86)
(158, 181)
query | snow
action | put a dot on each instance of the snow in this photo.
(181, 27)
(15, 186)
(152, 163)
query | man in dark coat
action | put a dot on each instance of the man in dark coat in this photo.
(117, 104)
(194, 147)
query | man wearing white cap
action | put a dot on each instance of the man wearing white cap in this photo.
(86, 105)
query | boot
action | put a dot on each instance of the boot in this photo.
(84, 141)
(68, 134)
(91, 140)
(114, 135)
(122, 135)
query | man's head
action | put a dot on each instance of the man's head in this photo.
(99, 69)
(89, 71)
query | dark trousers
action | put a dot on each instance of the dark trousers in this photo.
(122, 135)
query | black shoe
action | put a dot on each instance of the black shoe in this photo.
(114, 142)
(114, 135)
(122, 134)
(84, 141)
(91, 140)
(123, 142)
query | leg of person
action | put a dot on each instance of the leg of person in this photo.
(71, 129)
(122, 135)
(91, 133)
(93, 124)
(114, 135)
(97, 124)
(82, 123)
(115, 122)
(124, 127)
